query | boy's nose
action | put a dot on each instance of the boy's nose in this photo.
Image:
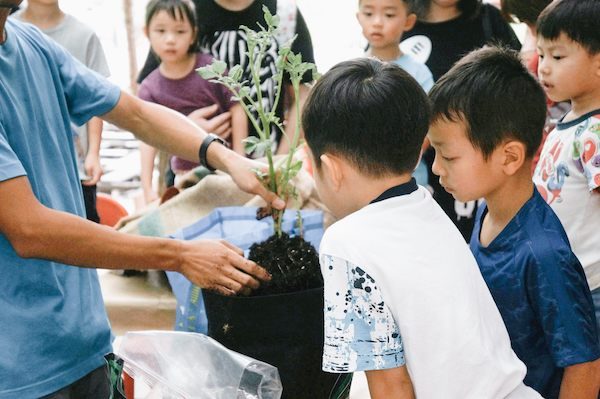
(435, 167)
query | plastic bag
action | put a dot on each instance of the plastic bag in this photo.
(239, 226)
(173, 365)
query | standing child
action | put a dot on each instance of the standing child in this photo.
(568, 173)
(386, 293)
(171, 29)
(382, 23)
(83, 44)
(488, 117)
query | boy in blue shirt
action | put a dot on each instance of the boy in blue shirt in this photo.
(488, 116)
(387, 293)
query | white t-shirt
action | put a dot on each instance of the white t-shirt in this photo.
(399, 267)
(566, 176)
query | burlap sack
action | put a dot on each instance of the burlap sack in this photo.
(211, 191)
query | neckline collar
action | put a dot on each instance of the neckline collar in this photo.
(403, 189)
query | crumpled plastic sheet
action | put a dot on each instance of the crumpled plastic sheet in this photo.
(178, 365)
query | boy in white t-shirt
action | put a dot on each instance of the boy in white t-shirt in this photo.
(568, 172)
(403, 294)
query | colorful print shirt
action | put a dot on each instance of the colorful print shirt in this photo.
(568, 176)
(360, 331)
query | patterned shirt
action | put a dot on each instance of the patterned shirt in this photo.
(568, 176)
(360, 331)
(541, 292)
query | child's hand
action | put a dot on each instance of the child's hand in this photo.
(93, 169)
(219, 125)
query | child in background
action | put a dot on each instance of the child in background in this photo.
(82, 43)
(171, 30)
(382, 23)
(488, 117)
(568, 173)
(386, 292)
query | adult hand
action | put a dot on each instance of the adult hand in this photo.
(220, 266)
(93, 169)
(241, 170)
(206, 119)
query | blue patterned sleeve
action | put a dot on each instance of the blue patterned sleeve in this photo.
(561, 298)
(360, 331)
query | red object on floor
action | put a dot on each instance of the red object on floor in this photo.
(128, 385)
(109, 210)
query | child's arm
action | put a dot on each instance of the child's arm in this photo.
(147, 155)
(581, 381)
(92, 160)
(239, 125)
(390, 383)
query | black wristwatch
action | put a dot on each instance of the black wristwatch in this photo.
(204, 147)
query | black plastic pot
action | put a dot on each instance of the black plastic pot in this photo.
(284, 330)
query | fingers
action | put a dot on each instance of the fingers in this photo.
(270, 197)
(204, 112)
(232, 247)
(220, 124)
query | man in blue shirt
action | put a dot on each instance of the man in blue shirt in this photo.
(54, 330)
(488, 118)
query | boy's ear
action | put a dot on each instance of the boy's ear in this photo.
(332, 170)
(146, 32)
(411, 20)
(514, 155)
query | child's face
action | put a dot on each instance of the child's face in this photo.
(384, 21)
(170, 38)
(462, 169)
(566, 70)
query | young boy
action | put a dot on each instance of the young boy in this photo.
(83, 44)
(387, 292)
(488, 116)
(568, 174)
(382, 23)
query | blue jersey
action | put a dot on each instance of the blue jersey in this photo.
(53, 326)
(541, 292)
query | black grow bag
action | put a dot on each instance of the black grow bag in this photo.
(284, 330)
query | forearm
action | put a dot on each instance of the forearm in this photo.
(94, 129)
(36, 231)
(390, 384)
(147, 156)
(581, 381)
(167, 130)
(292, 119)
(239, 124)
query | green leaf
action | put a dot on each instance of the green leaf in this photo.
(206, 72)
(219, 67)
(235, 73)
(250, 144)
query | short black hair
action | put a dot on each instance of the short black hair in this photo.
(178, 10)
(578, 19)
(495, 96)
(371, 113)
(526, 11)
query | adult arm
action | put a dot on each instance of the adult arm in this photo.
(390, 384)
(172, 132)
(36, 231)
(91, 163)
(581, 381)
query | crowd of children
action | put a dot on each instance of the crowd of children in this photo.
(440, 133)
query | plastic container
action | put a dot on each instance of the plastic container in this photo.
(174, 365)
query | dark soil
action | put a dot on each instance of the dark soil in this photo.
(293, 263)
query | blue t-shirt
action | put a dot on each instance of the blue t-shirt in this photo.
(541, 292)
(53, 326)
(417, 70)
